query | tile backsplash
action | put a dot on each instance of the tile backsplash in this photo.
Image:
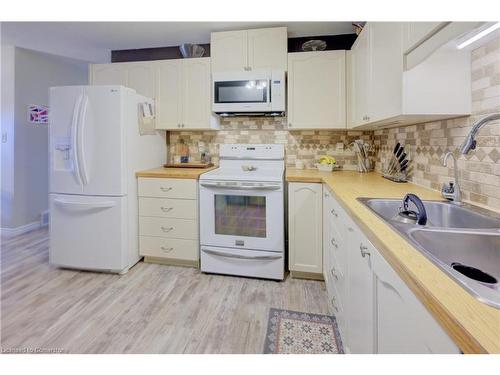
(307, 145)
(426, 143)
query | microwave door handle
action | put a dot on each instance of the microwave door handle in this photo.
(240, 256)
(270, 91)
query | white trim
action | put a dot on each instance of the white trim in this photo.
(11, 232)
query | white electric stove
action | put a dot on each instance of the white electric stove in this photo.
(242, 212)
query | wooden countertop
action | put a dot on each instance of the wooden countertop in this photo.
(186, 173)
(473, 325)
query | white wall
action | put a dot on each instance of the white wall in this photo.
(34, 72)
(7, 128)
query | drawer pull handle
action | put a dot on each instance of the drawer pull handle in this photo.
(334, 274)
(334, 213)
(165, 189)
(167, 229)
(166, 209)
(334, 305)
(332, 241)
(364, 251)
(167, 249)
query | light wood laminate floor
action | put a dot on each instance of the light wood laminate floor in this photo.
(151, 309)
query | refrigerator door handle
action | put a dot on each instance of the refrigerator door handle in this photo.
(80, 141)
(74, 139)
(84, 205)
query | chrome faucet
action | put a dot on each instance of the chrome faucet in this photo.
(451, 191)
(470, 142)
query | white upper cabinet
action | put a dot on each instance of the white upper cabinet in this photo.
(229, 50)
(180, 87)
(108, 74)
(360, 76)
(142, 78)
(245, 50)
(384, 93)
(267, 48)
(414, 33)
(169, 94)
(196, 112)
(316, 90)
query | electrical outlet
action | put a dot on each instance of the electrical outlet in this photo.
(4, 137)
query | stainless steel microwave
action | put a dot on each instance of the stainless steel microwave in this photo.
(249, 93)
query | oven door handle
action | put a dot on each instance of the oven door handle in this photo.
(239, 256)
(236, 187)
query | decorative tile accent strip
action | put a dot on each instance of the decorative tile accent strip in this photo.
(293, 332)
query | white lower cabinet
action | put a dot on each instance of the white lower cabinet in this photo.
(360, 299)
(305, 228)
(402, 323)
(376, 312)
(168, 220)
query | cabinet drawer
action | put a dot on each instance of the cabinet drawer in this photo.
(169, 228)
(167, 188)
(165, 207)
(171, 248)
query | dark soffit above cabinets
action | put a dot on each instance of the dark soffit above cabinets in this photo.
(333, 42)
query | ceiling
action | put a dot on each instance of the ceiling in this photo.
(93, 41)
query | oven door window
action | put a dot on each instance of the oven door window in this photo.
(241, 91)
(237, 215)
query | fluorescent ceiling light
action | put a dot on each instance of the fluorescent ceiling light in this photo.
(479, 35)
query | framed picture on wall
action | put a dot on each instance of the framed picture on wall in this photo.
(38, 114)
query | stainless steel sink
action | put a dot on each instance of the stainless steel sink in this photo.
(463, 240)
(472, 258)
(439, 214)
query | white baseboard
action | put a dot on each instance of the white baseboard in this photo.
(11, 232)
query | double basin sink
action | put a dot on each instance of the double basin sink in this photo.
(463, 240)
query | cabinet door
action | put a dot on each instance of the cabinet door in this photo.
(108, 74)
(386, 77)
(142, 78)
(229, 51)
(360, 77)
(316, 90)
(267, 48)
(305, 227)
(416, 32)
(403, 324)
(196, 112)
(169, 94)
(360, 304)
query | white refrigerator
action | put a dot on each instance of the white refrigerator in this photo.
(97, 144)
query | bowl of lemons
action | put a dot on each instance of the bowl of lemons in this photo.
(326, 163)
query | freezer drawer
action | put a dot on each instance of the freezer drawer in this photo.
(240, 262)
(88, 232)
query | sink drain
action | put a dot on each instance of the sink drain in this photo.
(474, 273)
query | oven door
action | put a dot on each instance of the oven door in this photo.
(242, 215)
(241, 92)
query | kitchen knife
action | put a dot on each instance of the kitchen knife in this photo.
(394, 153)
(397, 159)
(403, 166)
